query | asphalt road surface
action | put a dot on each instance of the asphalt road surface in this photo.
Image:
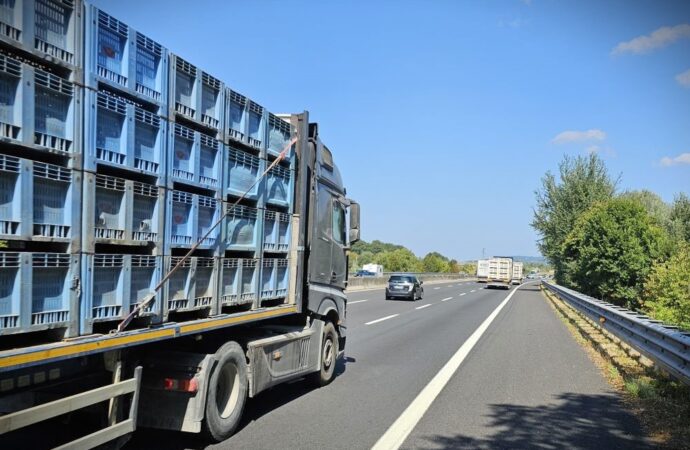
(461, 368)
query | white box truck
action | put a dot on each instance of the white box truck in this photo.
(517, 273)
(482, 270)
(376, 269)
(500, 272)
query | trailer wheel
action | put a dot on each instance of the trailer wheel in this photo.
(227, 392)
(329, 356)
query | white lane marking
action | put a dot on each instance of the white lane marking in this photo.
(464, 293)
(395, 436)
(436, 288)
(357, 301)
(446, 299)
(381, 319)
(473, 290)
(423, 306)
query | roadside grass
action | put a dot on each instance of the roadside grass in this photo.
(661, 404)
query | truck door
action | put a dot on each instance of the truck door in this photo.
(327, 260)
(322, 241)
(338, 258)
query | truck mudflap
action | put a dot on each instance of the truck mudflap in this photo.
(174, 391)
(111, 393)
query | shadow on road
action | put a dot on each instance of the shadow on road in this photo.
(256, 407)
(576, 421)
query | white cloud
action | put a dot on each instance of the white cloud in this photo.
(659, 38)
(683, 158)
(576, 136)
(684, 78)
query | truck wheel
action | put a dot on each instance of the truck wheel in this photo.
(329, 356)
(227, 392)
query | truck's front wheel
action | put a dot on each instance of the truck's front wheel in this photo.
(329, 356)
(227, 392)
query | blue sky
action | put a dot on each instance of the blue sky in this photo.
(444, 115)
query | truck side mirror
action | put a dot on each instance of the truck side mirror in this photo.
(354, 222)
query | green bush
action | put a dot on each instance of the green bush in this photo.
(611, 249)
(667, 290)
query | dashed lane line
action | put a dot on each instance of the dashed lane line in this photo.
(382, 319)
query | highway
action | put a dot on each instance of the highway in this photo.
(465, 367)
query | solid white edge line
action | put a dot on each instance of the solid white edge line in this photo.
(381, 319)
(446, 299)
(357, 301)
(423, 306)
(396, 434)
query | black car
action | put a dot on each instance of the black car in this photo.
(404, 286)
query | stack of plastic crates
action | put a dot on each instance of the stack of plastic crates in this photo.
(126, 128)
(40, 168)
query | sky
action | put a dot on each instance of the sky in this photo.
(444, 115)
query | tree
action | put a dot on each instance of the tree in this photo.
(401, 260)
(611, 249)
(584, 181)
(653, 204)
(435, 262)
(680, 218)
(667, 289)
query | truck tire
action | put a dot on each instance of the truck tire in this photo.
(227, 392)
(329, 356)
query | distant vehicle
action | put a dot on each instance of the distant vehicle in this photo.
(404, 286)
(500, 272)
(376, 269)
(482, 270)
(517, 273)
(364, 273)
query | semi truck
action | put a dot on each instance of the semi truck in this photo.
(500, 272)
(517, 273)
(482, 270)
(240, 285)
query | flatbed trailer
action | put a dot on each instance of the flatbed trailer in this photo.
(148, 364)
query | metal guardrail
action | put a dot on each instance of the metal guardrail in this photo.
(665, 345)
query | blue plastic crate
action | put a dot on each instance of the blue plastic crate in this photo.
(39, 201)
(189, 218)
(241, 228)
(48, 29)
(194, 284)
(282, 271)
(116, 283)
(197, 95)
(124, 59)
(238, 281)
(38, 109)
(56, 203)
(276, 231)
(122, 135)
(279, 134)
(209, 210)
(245, 121)
(38, 291)
(268, 278)
(122, 212)
(279, 186)
(194, 158)
(242, 174)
